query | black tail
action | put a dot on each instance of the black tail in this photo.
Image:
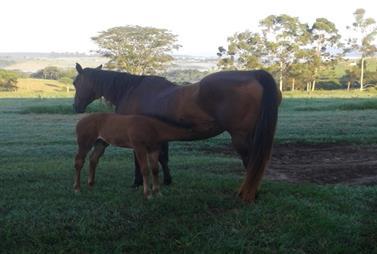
(262, 136)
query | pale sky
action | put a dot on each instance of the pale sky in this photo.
(201, 26)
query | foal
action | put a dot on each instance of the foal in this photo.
(144, 134)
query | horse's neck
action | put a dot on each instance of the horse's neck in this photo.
(111, 92)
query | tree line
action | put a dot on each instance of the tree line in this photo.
(301, 52)
(298, 54)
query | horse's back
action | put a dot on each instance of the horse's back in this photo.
(232, 97)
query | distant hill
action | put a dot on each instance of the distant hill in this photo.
(30, 62)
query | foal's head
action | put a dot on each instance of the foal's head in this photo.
(84, 86)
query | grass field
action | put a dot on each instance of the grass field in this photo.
(199, 213)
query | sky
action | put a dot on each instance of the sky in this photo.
(201, 26)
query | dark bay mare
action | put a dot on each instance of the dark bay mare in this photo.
(243, 103)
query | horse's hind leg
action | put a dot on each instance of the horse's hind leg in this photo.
(99, 149)
(153, 163)
(251, 183)
(164, 159)
(240, 143)
(79, 163)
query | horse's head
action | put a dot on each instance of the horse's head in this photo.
(85, 92)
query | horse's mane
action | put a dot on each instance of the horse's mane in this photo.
(113, 83)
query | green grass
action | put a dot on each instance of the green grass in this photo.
(347, 105)
(199, 213)
(65, 109)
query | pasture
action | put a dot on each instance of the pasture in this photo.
(318, 196)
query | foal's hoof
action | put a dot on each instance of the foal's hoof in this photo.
(157, 194)
(148, 197)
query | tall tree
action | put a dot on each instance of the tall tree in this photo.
(8, 80)
(283, 36)
(244, 52)
(365, 32)
(136, 49)
(324, 38)
(301, 71)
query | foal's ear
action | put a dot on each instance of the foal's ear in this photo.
(99, 67)
(78, 68)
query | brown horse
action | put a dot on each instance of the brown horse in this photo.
(144, 134)
(243, 103)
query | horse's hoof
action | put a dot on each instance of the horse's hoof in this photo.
(167, 181)
(77, 191)
(135, 185)
(246, 197)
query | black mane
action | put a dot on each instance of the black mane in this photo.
(113, 84)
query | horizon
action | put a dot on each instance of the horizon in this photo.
(201, 27)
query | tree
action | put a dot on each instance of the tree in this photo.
(185, 76)
(136, 49)
(324, 37)
(245, 51)
(49, 72)
(67, 82)
(8, 80)
(283, 36)
(365, 32)
(301, 70)
(351, 76)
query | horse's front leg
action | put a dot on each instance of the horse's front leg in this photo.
(164, 159)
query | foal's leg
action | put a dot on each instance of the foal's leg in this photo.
(79, 163)
(164, 159)
(142, 158)
(99, 149)
(153, 163)
(138, 176)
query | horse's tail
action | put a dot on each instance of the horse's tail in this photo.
(262, 136)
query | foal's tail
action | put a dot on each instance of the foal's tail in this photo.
(262, 136)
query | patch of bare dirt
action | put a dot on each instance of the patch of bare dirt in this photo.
(321, 163)
(324, 164)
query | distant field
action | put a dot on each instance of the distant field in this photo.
(35, 64)
(29, 87)
(341, 68)
(39, 88)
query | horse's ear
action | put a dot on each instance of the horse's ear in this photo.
(99, 67)
(78, 68)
